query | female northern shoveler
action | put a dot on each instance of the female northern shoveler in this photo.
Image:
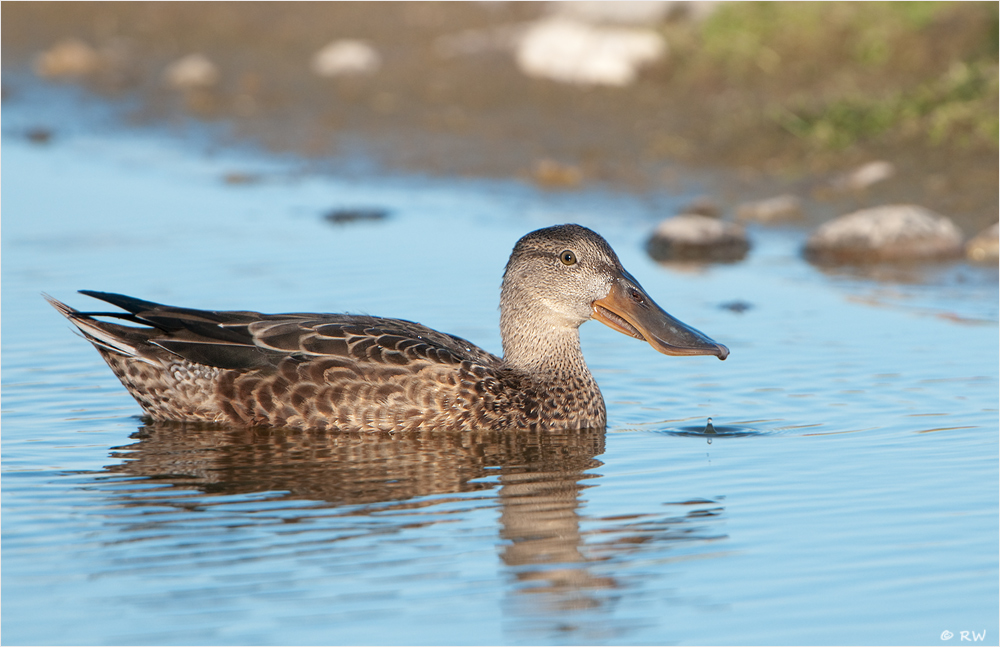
(353, 372)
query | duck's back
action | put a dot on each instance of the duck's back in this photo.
(313, 371)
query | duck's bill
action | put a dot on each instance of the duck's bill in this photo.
(630, 311)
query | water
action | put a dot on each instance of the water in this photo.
(847, 492)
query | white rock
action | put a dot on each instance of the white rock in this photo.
(191, 72)
(886, 233)
(777, 209)
(865, 176)
(67, 58)
(699, 238)
(985, 246)
(346, 57)
(572, 51)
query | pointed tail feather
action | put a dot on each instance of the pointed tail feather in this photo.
(115, 338)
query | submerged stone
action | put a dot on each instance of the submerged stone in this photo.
(885, 233)
(357, 214)
(690, 237)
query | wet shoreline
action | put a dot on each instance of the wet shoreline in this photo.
(433, 114)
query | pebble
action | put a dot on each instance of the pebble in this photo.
(886, 233)
(192, 72)
(552, 174)
(68, 58)
(985, 246)
(574, 51)
(691, 237)
(865, 176)
(346, 57)
(781, 208)
(703, 206)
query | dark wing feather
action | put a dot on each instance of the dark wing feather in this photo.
(246, 340)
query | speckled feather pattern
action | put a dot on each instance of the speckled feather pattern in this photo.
(344, 372)
(361, 373)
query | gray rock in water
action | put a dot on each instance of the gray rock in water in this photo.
(985, 246)
(690, 237)
(780, 208)
(887, 233)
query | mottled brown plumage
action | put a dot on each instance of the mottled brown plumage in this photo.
(358, 373)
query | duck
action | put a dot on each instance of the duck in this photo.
(349, 372)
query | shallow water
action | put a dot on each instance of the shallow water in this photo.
(848, 494)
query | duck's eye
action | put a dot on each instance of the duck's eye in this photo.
(567, 257)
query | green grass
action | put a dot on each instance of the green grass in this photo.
(839, 73)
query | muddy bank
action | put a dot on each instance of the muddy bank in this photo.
(446, 96)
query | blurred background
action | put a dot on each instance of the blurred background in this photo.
(785, 96)
(812, 184)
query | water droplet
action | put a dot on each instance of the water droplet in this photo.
(709, 428)
(709, 441)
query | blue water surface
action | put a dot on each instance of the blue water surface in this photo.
(849, 494)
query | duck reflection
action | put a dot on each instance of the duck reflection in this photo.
(538, 477)
(346, 469)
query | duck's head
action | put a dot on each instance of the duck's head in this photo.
(567, 274)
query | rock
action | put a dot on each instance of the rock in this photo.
(552, 174)
(983, 248)
(691, 237)
(886, 233)
(865, 176)
(346, 58)
(780, 208)
(192, 72)
(573, 51)
(68, 58)
(703, 206)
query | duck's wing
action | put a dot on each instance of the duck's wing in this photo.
(245, 340)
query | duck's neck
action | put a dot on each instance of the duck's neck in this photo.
(537, 343)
